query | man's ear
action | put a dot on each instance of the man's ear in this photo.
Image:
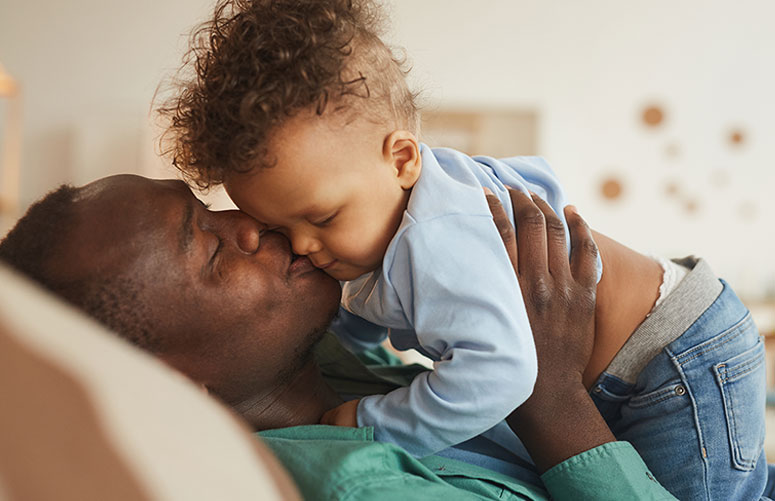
(402, 151)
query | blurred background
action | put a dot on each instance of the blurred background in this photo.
(657, 116)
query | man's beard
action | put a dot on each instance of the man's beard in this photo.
(303, 353)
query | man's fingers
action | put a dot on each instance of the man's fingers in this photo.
(557, 245)
(583, 255)
(503, 224)
(531, 234)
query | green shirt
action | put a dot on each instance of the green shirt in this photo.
(339, 463)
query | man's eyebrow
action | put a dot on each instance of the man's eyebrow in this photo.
(186, 233)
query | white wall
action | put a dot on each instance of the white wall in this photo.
(90, 68)
(589, 68)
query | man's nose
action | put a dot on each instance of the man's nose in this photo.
(235, 227)
(245, 231)
(247, 238)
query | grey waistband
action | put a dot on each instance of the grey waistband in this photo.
(680, 309)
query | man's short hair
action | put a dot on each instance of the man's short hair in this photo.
(33, 247)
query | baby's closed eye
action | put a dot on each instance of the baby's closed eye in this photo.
(325, 220)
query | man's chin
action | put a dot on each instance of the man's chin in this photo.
(304, 352)
(326, 289)
(323, 280)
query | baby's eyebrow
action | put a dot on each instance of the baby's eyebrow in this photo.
(304, 212)
(314, 210)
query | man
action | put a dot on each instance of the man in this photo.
(238, 313)
(150, 261)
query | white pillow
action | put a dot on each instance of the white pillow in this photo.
(85, 415)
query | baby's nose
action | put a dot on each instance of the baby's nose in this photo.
(304, 245)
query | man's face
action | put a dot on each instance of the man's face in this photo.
(240, 310)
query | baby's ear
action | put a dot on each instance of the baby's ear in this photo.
(402, 151)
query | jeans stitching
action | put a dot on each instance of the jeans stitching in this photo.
(728, 336)
(756, 360)
(752, 366)
(697, 426)
(656, 397)
(743, 463)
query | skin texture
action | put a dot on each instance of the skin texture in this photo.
(337, 190)
(559, 420)
(238, 328)
(343, 415)
(237, 316)
(626, 293)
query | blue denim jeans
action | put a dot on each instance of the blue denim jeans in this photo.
(696, 411)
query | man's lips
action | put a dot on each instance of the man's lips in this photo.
(300, 265)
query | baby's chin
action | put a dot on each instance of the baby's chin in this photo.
(346, 273)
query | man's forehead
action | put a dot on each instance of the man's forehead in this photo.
(132, 209)
(124, 189)
(158, 187)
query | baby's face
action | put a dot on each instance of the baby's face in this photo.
(332, 191)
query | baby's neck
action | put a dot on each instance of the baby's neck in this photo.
(626, 293)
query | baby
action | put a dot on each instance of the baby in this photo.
(305, 116)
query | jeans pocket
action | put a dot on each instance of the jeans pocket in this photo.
(742, 383)
(666, 394)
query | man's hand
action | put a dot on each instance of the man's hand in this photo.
(559, 420)
(342, 415)
(559, 293)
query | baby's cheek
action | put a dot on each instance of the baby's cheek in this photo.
(357, 246)
(354, 251)
(375, 251)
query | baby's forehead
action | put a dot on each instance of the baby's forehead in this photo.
(272, 211)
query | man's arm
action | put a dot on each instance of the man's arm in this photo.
(559, 297)
(559, 424)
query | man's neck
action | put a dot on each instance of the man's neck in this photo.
(301, 400)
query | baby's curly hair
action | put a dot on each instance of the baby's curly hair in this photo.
(258, 62)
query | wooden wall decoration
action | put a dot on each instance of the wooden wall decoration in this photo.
(653, 116)
(612, 188)
(496, 133)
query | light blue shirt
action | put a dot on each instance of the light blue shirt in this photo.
(447, 289)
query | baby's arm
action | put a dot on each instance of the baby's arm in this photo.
(357, 334)
(345, 414)
(454, 280)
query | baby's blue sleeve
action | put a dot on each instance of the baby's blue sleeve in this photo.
(530, 174)
(357, 334)
(458, 289)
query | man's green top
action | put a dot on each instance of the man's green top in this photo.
(340, 463)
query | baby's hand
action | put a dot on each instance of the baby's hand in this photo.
(343, 415)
